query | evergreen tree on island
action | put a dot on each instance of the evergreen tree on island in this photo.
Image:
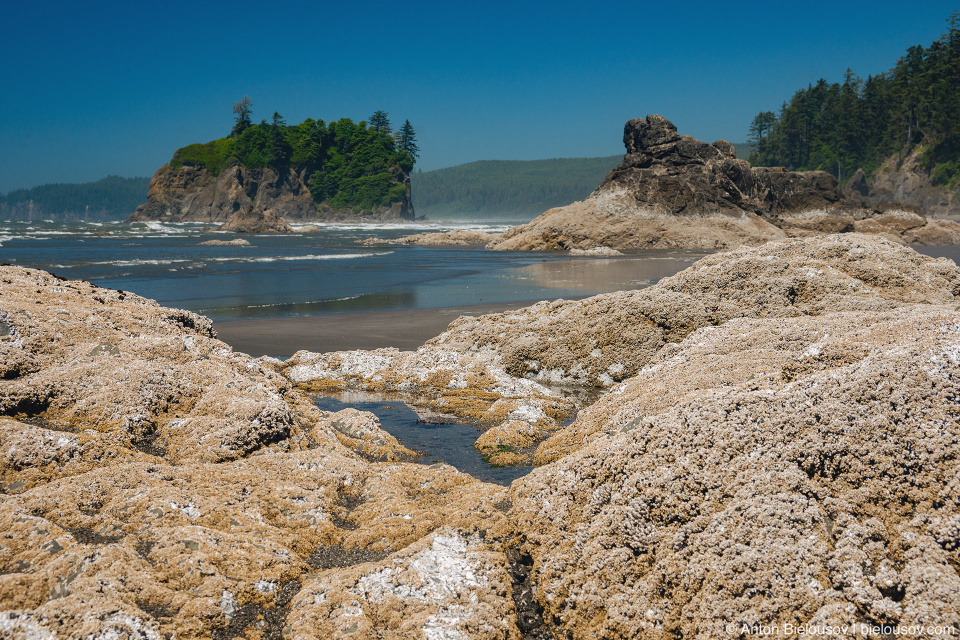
(346, 166)
(407, 140)
(380, 122)
(243, 111)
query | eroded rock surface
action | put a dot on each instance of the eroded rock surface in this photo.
(610, 337)
(153, 483)
(786, 451)
(674, 191)
(776, 471)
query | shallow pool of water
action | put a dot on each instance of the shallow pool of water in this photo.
(448, 442)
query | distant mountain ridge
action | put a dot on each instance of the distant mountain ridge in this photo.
(513, 189)
(110, 198)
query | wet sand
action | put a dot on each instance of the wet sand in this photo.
(406, 330)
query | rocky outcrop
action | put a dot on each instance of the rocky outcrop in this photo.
(905, 181)
(439, 239)
(153, 483)
(236, 242)
(674, 191)
(244, 200)
(194, 194)
(253, 221)
(786, 457)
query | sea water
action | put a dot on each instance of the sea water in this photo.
(309, 274)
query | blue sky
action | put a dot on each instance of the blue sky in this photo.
(98, 88)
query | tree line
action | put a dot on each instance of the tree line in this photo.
(345, 164)
(515, 189)
(110, 198)
(859, 123)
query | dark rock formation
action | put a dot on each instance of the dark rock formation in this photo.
(674, 191)
(677, 174)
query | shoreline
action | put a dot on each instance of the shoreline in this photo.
(404, 329)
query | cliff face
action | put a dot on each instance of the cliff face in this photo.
(908, 183)
(242, 199)
(674, 191)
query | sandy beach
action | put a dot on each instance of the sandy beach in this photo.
(405, 330)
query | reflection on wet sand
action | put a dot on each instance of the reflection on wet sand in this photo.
(603, 275)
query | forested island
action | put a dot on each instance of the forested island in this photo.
(264, 172)
(902, 128)
(111, 198)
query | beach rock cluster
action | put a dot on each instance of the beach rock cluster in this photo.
(457, 237)
(154, 483)
(784, 453)
(674, 191)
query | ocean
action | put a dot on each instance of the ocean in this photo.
(315, 274)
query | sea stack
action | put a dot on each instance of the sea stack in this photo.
(674, 191)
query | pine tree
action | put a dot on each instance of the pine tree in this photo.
(380, 122)
(407, 140)
(243, 111)
(279, 150)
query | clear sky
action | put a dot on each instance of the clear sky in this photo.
(97, 88)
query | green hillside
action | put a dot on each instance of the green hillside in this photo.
(510, 189)
(112, 198)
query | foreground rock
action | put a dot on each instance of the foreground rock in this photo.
(607, 338)
(788, 455)
(678, 192)
(805, 473)
(154, 483)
